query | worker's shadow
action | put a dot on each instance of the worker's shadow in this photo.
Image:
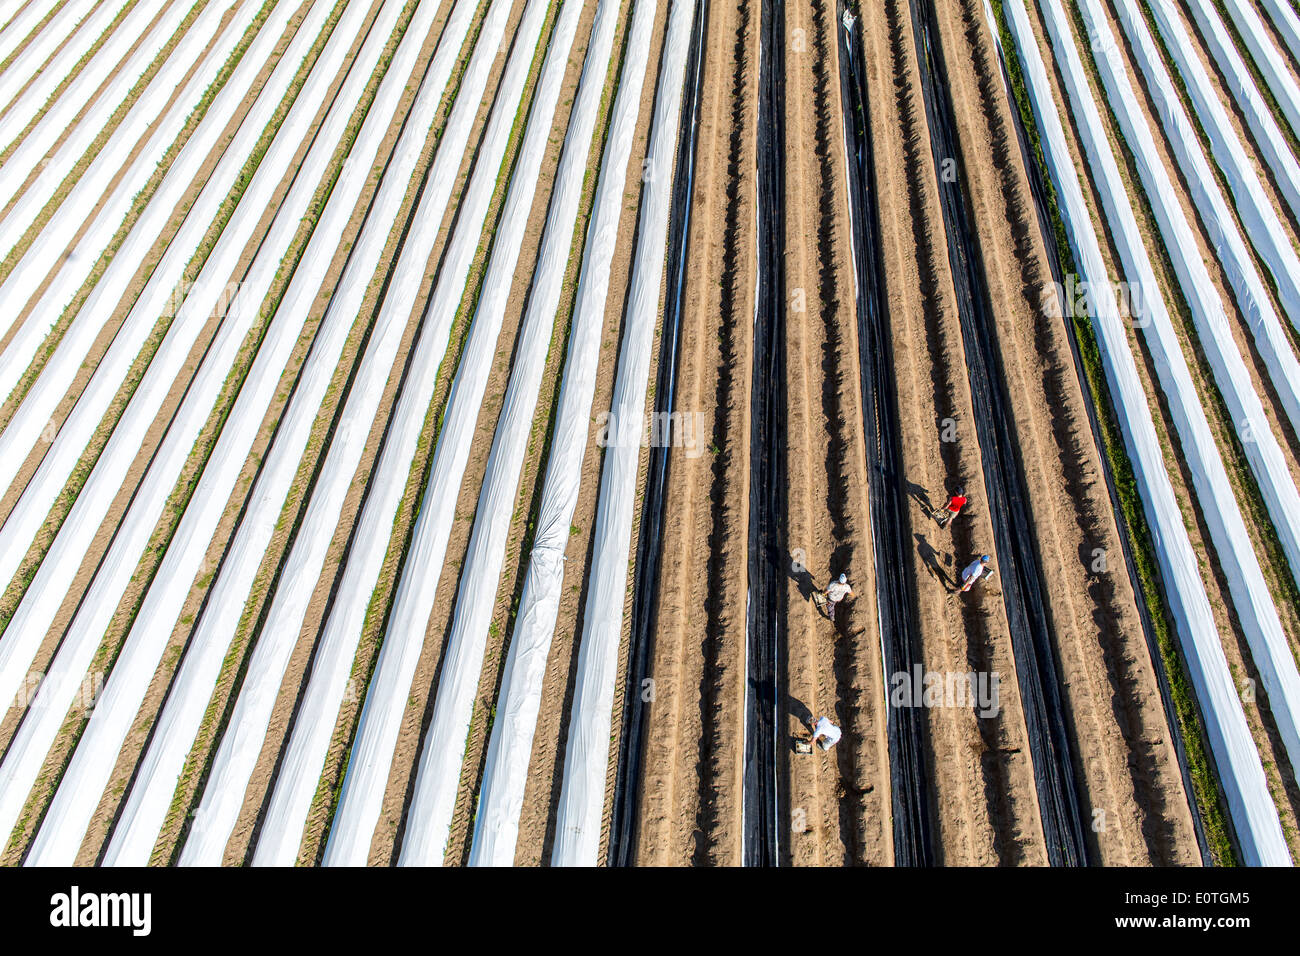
(798, 710)
(801, 576)
(799, 742)
(931, 559)
(920, 496)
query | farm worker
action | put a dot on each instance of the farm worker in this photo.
(974, 571)
(836, 592)
(825, 734)
(945, 513)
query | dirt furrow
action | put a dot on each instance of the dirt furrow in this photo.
(691, 785)
(981, 776)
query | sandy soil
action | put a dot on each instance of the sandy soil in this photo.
(985, 807)
(691, 785)
(840, 808)
(981, 781)
(1109, 688)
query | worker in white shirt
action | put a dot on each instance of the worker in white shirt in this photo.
(825, 734)
(836, 592)
(974, 571)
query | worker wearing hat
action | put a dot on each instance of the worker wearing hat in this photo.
(836, 592)
(974, 571)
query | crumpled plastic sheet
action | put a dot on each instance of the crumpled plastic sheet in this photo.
(1268, 59)
(1287, 23)
(505, 774)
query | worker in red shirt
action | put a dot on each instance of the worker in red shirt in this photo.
(945, 513)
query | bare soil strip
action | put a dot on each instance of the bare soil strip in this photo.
(834, 669)
(691, 784)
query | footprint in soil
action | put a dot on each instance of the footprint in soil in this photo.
(931, 558)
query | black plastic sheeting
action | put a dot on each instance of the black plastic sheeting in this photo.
(1058, 798)
(765, 614)
(895, 597)
(627, 790)
(1036, 186)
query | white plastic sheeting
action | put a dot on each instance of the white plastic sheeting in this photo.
(1259, 118)
(501, 797)
(372, 752)
(46, 254)
(38, 151)
(42, 45)
(26, 628)
(430, 810)
(386, 695)
(68, 816)
(495, 828)
(183, 712)
(303, 757)
(244, 735)
(7, 10)
(1250, 804)
(586, 758)
(18, 108)
(1267, 59)
(21, 26)
(1259, 219)
(1286, 23)
(1230, 372)
(36, 611)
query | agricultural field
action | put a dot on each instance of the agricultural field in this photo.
(435, 432)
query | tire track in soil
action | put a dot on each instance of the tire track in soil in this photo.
(1033, 641)
(864, 811)
(1096, 771)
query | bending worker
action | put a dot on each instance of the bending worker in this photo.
(974, 571)
(945, 513)
(825, 734)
